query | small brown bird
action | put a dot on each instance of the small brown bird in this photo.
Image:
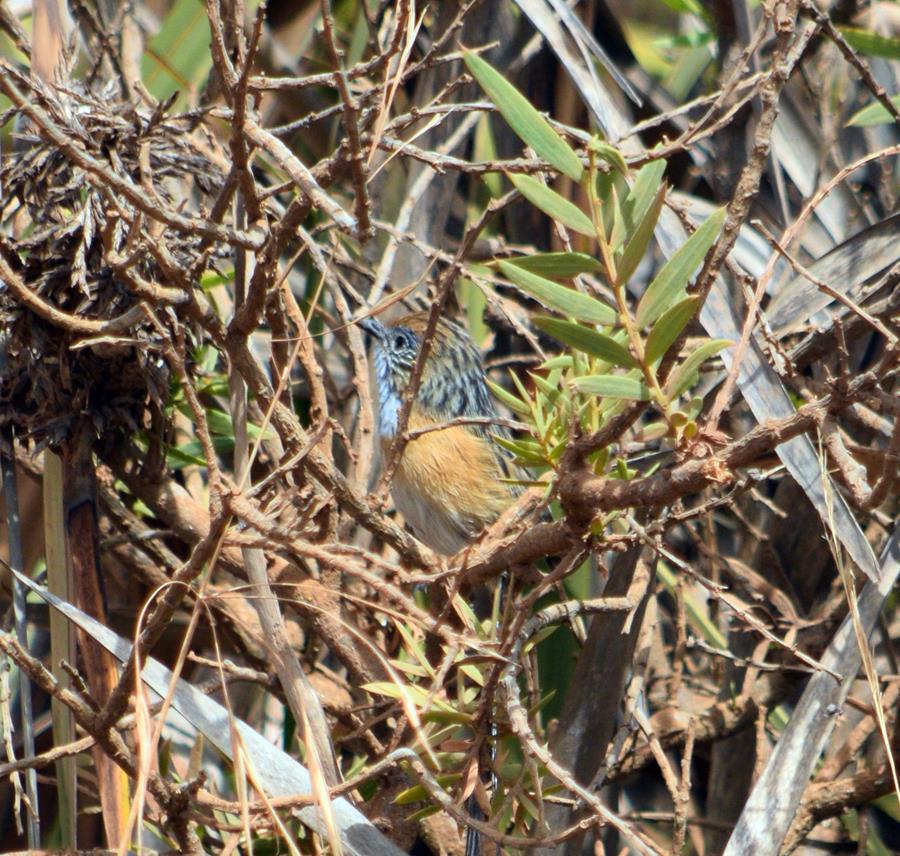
(448, 484)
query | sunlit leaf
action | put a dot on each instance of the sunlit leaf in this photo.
(220, 423)
(874, 114)
(618, 233)
(178, 56)
(547, 387)
(685, 376)
(418, 793)
(606, 182)
(472, 672)
(586, 340)
(691, 7)
(507, 398)
(533, 129)
(639, 240)
(870, 43)
(447, 715)
(559, 265)
(560, 297)
(642, 192)
(669, 326)
(485, 149)
(697, 614)
(423, 813)
(553, 205)
(526, 451)
(614, 386)
(609, 153)
(560, 361)
(670, 283)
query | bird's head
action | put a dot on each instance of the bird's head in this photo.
(452, 384)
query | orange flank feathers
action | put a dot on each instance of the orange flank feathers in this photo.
(447, 485)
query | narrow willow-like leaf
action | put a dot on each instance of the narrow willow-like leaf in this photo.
(690, 7)
(871, 43)
(507, 398)
(614, 386)
(639, 240)
(874, 114)
(618, 234)
(560, 265)
(643, 192)
(220, 424)
(685, 376)
(485, 149)
(471, 671)
(553, 205)
(526, 451)
(559, 297)
(669, 326)
(672, 280)
(561, 361)
(401, 692)
(530, 126)
(537, 412)
(422, 814)
(178, 57)
(606, 181)
(417, 793)
(548, 387)
(586, 340)
(609, 153)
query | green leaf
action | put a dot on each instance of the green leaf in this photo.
(178, 56)
(559, 265)
(685, 376)
(586, 340)
(472, 672)
(560, 297)
(220, 423)
(423, 813)
(643, 192)
(417, 793)
(561, 361)
(177, 458)
(668, 328)
(507, 398)
(553, 205)
(526, 451)
(698, 616)
(874, 114)
(614, 386)
(606, 184)
(637, 244)
(618, 233)
(548, 387)
(484, 149)
(609, 153)
(672, 280)
(533, 129)
(691, 7)
(872, 44)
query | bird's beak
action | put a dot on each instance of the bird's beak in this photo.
(374, 328)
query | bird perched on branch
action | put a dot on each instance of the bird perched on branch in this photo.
(448, 483)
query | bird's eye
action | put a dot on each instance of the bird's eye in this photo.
(399, 342)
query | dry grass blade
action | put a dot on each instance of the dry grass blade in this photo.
(277, 772)
(768, 812)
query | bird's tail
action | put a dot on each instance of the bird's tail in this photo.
(473, 836)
